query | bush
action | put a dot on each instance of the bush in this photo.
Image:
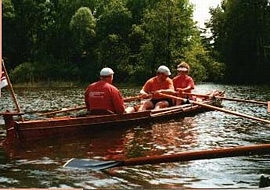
(24, 72)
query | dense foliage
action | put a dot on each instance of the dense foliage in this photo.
(241, 35)
(46, 40)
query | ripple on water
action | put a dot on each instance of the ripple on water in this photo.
(42, 166)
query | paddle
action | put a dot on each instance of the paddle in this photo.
(128, 99)
(182, 156)
(230, 99)
(216, 108)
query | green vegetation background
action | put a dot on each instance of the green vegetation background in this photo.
(71, 40)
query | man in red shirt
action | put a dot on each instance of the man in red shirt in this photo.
(183, 82)
(161, 83)
(102, 97)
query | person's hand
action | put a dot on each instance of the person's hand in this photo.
(144, 95)
(157, 92)
(180, 91)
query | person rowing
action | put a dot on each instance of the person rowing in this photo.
(183, 83)
(161, 83)
(102, 97)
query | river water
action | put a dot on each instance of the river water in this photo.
(40, 165)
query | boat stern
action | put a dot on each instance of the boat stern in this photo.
(10, 126)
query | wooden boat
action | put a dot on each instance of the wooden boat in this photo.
(58, 127)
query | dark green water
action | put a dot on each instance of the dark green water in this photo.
(40, 165)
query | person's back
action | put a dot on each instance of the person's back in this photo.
(102, 97)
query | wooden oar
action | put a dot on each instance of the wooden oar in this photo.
(230, 99)
(132, 98)
(217, 108)
(128, 99)
(11, 90)
(182, 156)
(62, 111)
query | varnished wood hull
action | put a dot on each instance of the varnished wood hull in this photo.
(59, 127)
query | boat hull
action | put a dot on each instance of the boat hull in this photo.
(63, 127)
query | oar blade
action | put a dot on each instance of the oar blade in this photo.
(91, 164)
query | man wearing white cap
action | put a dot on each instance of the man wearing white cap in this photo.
(161, 83)
(183, 83)
(102, 97)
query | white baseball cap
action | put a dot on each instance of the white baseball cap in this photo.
(106, 72)
(164, 69)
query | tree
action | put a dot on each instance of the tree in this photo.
(9, 38)
(113, 27)
(241, 33)
(170, 35)
(82, 26)
(74, 39)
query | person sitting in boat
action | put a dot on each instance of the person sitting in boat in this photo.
(161, 83)
(104, 98)
(183, 83)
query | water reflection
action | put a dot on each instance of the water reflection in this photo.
(147, 140)
(157, 139)
(40, 164)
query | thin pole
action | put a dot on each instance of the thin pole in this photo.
(230, 99)
(217, 108)
(11, 90)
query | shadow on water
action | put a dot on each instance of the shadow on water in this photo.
(40, 164)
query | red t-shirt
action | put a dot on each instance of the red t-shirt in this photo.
(104, 96)
(153, 84)
(183, 81)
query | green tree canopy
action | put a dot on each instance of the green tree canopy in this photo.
(74, 39)
(241, 36)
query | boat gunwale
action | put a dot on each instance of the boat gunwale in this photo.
(31, 130)
(111, 119)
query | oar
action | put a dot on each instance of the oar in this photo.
(182, 156)
(216, 108)
(128, 99)
(132, 98)
(230, 99)
(62, 111)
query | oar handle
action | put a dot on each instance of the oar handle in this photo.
(217, 108)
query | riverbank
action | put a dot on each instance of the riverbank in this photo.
(67, 84)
